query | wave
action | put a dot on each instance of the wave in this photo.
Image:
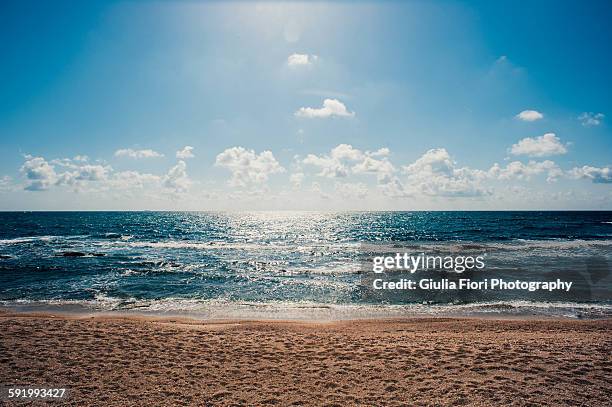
(43, 238)
(300, 310)
(181, 244)
(27, 239)
(313, 249)
(160, 267)
(514, 245)
(112, 235)
(333, 248)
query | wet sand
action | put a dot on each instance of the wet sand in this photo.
(114, 361)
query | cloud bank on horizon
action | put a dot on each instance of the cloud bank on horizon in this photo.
(356, 174)
(304, 106)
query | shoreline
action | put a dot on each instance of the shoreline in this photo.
(189, 319)
(136, 360)
(308, 311)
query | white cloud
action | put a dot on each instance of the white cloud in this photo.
(133, 180)
(435, 174)
(335, 165)
(518, 170)
(350, 191)
(177, 178)
(39, 173)
(93, 172)
(548, 144)
(128, 152)
(344, 159)
(296, 179)
(316, 188)
(383, 169)
(5, 183)
(247, 167)
(330, 167)
(381, 152)
(589, 119)
(346, 152)
(395, 189)
(529, 115)
(295, 60)
(186, 152)
(597, 175)
(331, 107)
(434, 161)
(79, 173)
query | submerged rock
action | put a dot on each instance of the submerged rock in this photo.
(80, 254)
(73, 254)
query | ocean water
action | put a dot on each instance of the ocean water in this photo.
(290, 264)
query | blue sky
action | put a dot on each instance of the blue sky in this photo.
(323, 105)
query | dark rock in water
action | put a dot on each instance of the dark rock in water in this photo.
(112, 235)
(4, 256)
(73, 254)
(80, 254)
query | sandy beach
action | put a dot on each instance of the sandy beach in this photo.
(114, 361)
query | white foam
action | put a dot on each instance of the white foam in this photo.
(304, 310)
(28, 239)
(513, 245)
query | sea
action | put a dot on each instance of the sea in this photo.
(295, 265)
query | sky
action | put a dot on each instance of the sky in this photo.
(412, 105)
